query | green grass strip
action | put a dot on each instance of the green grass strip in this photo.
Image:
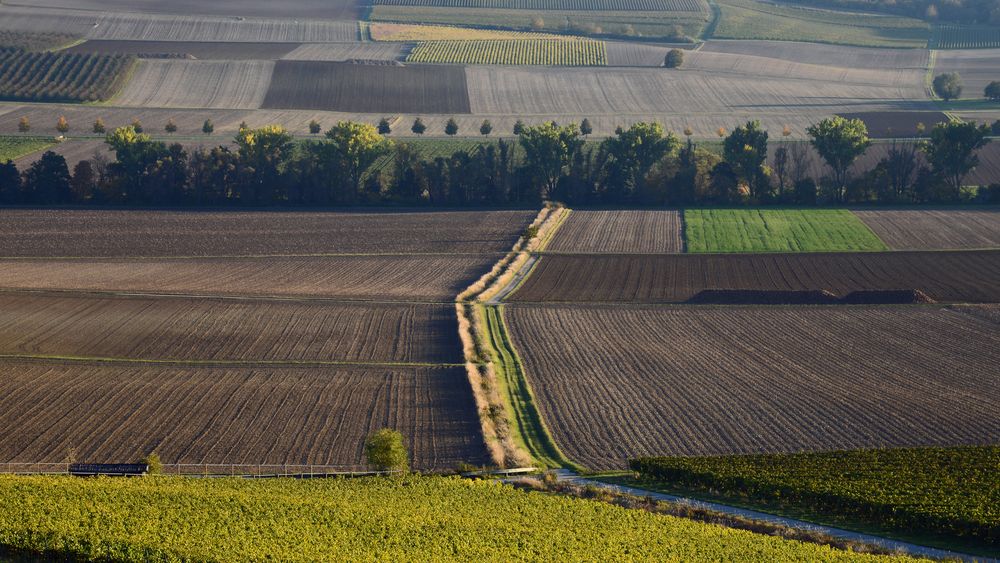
(527, 425)
(778, 230)
(13, 147)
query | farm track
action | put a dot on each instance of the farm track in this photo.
(761, 379)
(959, 276)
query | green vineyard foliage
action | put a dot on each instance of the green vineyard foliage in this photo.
(952, 492)
(370, 519)
(512, 52)
(58, 77)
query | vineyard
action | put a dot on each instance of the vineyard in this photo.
(548, 5)
(12, 148)
(965, 37)
(55, 77)
(407, 33)
(786, 230)
(171, 518)
(522, 52)
(933, 491)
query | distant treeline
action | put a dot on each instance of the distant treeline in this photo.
(983, 12)
(640, 165)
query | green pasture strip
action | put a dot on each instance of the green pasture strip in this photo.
(748, 19)
(14, 147)
(777, 230)
(225, 363)
(410, 518)
(527, 426)
(946, 497)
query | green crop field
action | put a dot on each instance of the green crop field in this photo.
(777, 230)
(516, 52)
(747, 19)
(407, 519)
(13, 148)
(625, 24)
(965, 37)
(949, 493)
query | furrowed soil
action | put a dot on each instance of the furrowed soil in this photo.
(233, 415)
(108, 233)
(614, 383)
(368, 88)
(646, 232)
(971, 276)
(320, 9)
(218, 330)
(203, 50)
(198, 84)
(927, 229)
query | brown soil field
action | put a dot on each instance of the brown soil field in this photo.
(106, 233)
(148, 27)
(171, 328)
(614, 383)
(619, 232)
(197, 84)
(320, 9)
(977, 67)
(889, 124)
(338, 52)
(968, 276)
(436, 279)
(368, 88)
(119, 413)
(204, 50)
(927, 229)
(827, 55)
(635, 54)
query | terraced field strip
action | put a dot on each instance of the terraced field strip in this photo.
(927, 229)
(615, 383)
(619, 231)
(956, 277)
(777, 230)
(507, 52)
(105, 412)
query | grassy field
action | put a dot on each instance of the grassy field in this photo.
(524, 52)
(777, 230)
(747, 19)
(411, 519)
(12, 148)
(942, 492)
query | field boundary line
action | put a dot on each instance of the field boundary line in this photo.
(225, 363)
(252, 256)
(529, 429)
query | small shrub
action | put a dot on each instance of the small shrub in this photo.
(24, 125)
(62, 125)
(170, 127)
(154, 463)
(451, 128)
(384, 128)
(385, 451)
(314, 127)
(208, 127)
(99, 126)
(674, 59)
(418, 126)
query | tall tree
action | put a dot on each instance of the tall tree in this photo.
(635, 150)
(840, 142)
(992, 91)
(745, 149)
(264, 154)
(384, 127)
(10, 183)
(84, 181)
(948, 86)
(951, 151)
(134, 153)
(356, 146)
(549, 149)
(47, 181)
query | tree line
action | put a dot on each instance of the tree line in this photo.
(640, 165)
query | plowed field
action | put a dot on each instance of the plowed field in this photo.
(116, 413)
(152, 328)
(205, 50)
(198, 84)
(614, 383)
(641, 232)
(927, 229)
(944, 276)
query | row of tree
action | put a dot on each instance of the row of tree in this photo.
(643, 164)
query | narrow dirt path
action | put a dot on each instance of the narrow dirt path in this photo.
(884, 543)
(515, 282)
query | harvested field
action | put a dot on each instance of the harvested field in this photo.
(977, 67)
(338, 52)
(621, 91)
(132, 233)
(926, 229)
(366, 278)
(368, 88)
(200, 330)
(890, 124)
(825, 55)
(762, 66)
(202, 28)
(115, 413)
(410, 32)
(29, 20)
(320, 9)
(196, 84)
(617, 383)
(635, 54)
(777, 230)
(620, 232)
(972, 276)
(203, 50)
(548, 5)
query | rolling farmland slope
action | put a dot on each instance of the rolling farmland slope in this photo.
(196, 84)
(639, 381)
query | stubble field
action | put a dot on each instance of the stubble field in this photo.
(640, 381)
(202, 50)
(198, 84)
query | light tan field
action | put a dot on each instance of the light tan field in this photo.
(977, 67)
(827, 55)
(198, 84)
(348, 51)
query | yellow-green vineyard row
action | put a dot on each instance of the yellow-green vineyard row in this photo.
(527, 52)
